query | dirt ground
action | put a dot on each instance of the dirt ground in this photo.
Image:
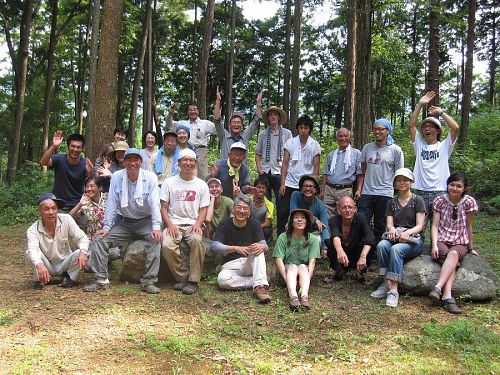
(124, 331)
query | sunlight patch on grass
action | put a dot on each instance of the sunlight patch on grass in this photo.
(6, 318)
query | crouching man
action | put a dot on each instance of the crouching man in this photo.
(48, 244)
(242, 239)
(133, 193)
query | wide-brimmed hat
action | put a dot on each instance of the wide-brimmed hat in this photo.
(46, 196)
(433, 120)
(311, 178)
(239, 145)
(283, 116)
(305, 211)
(119, 146)
(406, 173)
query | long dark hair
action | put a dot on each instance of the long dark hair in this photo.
(307, 229)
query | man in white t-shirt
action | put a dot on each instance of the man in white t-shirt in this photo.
(431, 164)
(301, 157)
(184, 203)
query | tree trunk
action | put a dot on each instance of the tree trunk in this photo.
(287, 62)
(22, 68)
(104, 114)
(94, 43)
(138, 73)
(205, 54)
(230, 65)
(120, 94)
(467, 88)
(49, 74)
(350, 96)
(194, 51)
(294, 90)
(433, 71)
(493, 61)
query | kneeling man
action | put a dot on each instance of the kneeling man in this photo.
(48, 244)
(242, 239)
(184, 204)
(133, 192)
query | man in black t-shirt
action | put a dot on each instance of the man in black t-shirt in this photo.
(242, 240)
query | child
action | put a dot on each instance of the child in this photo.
(295, 255)
(451, 237)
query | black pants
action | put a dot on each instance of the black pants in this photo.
(284, 210)
(353, 252)
(374, 206)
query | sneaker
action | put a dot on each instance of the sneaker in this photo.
(94, 287)
(381, 291)
(180, 285)
(261, 294)
(304, 301)
(294, 303)
(435, 296)
(450, 305)
(392, 298)
(190, 288)
(150, 289)
(67, 282)
(38, 285)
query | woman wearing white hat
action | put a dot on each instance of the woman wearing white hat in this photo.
(405, 216)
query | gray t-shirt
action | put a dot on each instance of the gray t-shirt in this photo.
(405, 216)
(381, 164)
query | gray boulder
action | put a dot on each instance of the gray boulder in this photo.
(475, 280)
(134, 254)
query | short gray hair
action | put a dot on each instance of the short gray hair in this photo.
(339, 129)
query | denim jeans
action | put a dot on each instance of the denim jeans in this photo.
(284, 210)
(391, 257)
(374, 205)
(428, 197)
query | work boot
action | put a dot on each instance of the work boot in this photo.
(261, 293)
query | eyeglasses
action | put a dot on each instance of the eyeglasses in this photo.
(455, 213)
(375, 130)
(309, 186)
(430, 126)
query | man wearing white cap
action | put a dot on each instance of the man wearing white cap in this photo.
(184, 203)
(49, 244)
(133, 194)
(236, 132)
(233, 173)
(269, 151)
(431, 164)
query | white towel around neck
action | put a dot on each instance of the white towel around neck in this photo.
(347, 159)
(138, 189)
(297, 150)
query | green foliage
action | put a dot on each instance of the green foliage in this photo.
(18, 202)
(6, 318)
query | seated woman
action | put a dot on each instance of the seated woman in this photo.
(91, 207)
(262, 208)
(113, 163)
(149, 151)
(451, 234)
(405, 217)
(295, 254)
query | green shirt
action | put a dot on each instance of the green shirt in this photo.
(223, 211)
(297, 252)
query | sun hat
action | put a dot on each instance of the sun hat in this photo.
(119, 146)
(283, 116)
(311, 178)
(405, 172)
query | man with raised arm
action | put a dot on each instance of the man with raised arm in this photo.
(70, 169)
(431, 164)
(184, 203)
(242, 240)
(379, 162)
(342, 169)
(49, 249)
(200, 131)
(133, 193)
(236, 132)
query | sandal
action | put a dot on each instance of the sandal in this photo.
(304, 301)
(294, 303)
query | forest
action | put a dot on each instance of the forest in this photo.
(90, 66)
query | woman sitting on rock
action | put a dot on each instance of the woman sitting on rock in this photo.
(405, 217)
(451, 237)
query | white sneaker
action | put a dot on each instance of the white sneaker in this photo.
(381, 291)
(392, 299)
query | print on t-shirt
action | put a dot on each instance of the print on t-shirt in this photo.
(429, 155)
(185, 195)
(374, 159)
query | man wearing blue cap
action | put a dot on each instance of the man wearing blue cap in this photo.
(379, 162)
(134, 195)
(49, 244)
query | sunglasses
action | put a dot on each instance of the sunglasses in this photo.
(455, 213)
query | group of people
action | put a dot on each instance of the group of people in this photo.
(171, 195)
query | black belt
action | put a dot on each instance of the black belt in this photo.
(201, 146)
(336, 186)
(132, 220)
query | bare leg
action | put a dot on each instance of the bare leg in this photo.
(448, 270)
(448, 285)
(291, 280)
(392, 284)
(304, 280)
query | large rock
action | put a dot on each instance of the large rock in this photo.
(134, 254)
(475, 279)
